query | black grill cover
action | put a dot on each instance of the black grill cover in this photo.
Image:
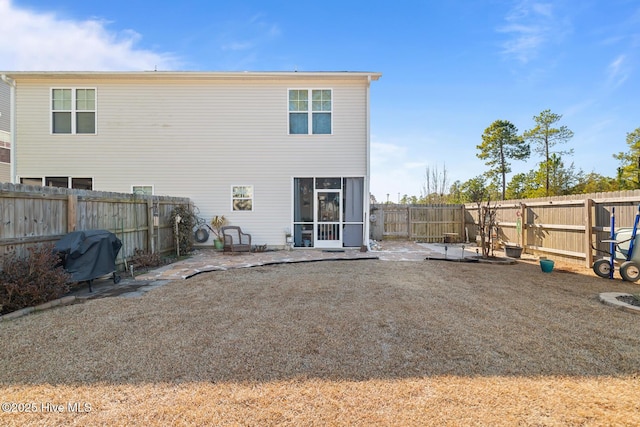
(88, 254)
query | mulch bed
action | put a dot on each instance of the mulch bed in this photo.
(629, 299)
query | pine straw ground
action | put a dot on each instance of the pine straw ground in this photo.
(333, 343)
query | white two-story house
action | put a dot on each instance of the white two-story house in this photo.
(274, 152)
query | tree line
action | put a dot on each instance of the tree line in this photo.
(501, 144)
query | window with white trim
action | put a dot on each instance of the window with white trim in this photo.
(73, 111)
(310, 111)
(143, 190)
(60, 181)
(242, 197)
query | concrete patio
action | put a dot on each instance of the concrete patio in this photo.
(209, 260)
(205, 260)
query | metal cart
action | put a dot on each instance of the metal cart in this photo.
(622, 251)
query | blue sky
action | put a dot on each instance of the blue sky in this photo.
(450, 68)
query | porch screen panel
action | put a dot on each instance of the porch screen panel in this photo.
(303, 200)
(354, 203)
(352, 235)
(353, 212)
(302, 210)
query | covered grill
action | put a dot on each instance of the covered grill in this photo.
(89, 254)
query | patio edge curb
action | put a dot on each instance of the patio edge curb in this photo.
(41, 307)
(610, 299)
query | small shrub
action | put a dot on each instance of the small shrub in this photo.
(144, 259)
(185, 227)
(32, 280)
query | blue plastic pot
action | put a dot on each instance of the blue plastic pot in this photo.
(546, 265)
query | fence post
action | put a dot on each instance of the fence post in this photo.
(150, 225)
(463, 230)
(588, 231)
(409, 223)
(523, 225)
(72, 212)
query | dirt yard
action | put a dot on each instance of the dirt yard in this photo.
(333, 343)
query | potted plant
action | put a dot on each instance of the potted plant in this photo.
(513, 251)
(217, 222)
(288, 238)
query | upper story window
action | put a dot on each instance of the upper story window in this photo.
(73, 111)
(310, 111)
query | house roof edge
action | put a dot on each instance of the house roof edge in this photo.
(18, 75)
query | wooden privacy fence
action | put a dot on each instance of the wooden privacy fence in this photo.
(425, 223)
(570, 228)
(30, 215)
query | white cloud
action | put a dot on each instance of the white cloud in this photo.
(395, 169)
(578, 108)
(238, 46)
(543, 9)
(400, 163)
(523, 47)
(618, 71)
(248, 34)
(39, 41)
(387, 174)
(530, 25)
(384, 150)
(415, 165)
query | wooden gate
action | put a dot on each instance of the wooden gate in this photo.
(437, 223)
(426, 223)
(396, 222)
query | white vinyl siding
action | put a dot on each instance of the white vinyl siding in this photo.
(197, 138)
(5, 107)
(5, 172)
(5, 135)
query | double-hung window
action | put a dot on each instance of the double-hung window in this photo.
(310, 111)
(242, 197)
(73, 111)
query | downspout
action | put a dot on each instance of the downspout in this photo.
(12, 124)
(367, 186)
